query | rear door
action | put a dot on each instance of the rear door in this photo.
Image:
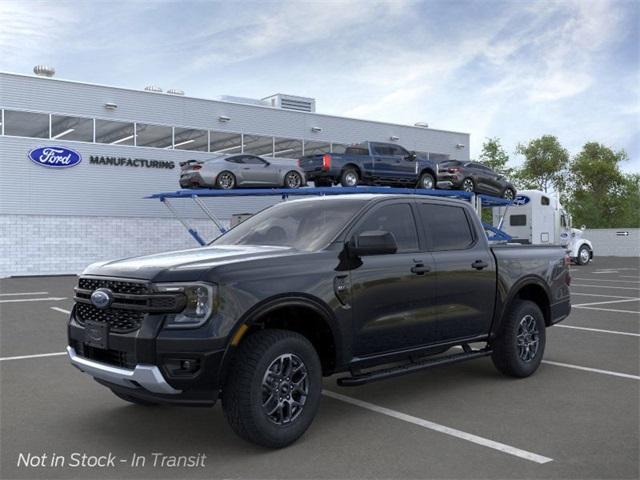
(384, 161)
(466, 271)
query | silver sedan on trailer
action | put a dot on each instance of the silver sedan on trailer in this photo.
(241, 170)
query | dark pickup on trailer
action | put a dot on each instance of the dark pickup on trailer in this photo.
(371, 163)
(371, 286)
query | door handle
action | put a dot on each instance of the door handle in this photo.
(479, 264)
(420, 269)
(246, 168)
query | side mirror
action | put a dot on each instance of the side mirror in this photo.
(266, 164)
(373, 242)
(412, 156)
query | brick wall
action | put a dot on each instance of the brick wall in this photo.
(40, 245)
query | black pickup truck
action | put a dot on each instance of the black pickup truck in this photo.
(371, 286)
(371, 163)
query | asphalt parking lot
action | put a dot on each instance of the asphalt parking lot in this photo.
(577, 417)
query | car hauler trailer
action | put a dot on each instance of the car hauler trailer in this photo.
(536, 218)
(478, 201)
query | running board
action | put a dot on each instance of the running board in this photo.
(384, 373)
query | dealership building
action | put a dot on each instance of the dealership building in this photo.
(127, 144)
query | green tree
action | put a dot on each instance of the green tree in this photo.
(494, 156)
(545, 164)
(600, 195)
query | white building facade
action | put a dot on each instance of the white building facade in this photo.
(129, 144)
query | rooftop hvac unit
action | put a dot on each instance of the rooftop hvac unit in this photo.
(291, 102)
(44, 71)
(153, 88)
(175, 91)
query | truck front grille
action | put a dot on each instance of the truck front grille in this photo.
(119, 320)
(116, 286)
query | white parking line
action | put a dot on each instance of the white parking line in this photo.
(485, 442)
(606, 280)
(22, 357)
(48, 299)
(608, 301)
(595, 370)
(61, 310)
(608, 310)
(598, 295)
(599, 330)
(605, 286)
(23, 293)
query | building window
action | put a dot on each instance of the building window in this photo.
(287, 148)
(157, 136)
(258, 145)
(190, 139)
(114, 133)
(314, 148)
(71, 128)
(26, 124)
(225, 142)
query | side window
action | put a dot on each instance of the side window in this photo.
(235, 159)
(544, 200)
(396, 219)
(399, 151)
(251, 160)
(517, 220)
(448, 227)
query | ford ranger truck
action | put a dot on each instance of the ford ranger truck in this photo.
(366, 286)
(371, 163)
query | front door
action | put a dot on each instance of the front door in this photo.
(466, 271)
(256, 171)
(392, 295)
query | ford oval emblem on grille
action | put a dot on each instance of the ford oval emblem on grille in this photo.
(55, 157)
(102, 298)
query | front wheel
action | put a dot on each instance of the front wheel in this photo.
(293, 179)
(584, 255)
(427, 181)
(518, 349)
(273, 388)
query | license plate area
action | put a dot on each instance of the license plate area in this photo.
(96, 334)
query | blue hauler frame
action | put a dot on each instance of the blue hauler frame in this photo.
(479, 201)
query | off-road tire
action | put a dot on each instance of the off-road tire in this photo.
(506, 356)
(344, 177)
(242, 392)
(134, 400)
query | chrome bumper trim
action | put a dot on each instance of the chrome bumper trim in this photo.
(148, 377)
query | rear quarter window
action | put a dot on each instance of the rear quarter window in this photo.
(447, 227)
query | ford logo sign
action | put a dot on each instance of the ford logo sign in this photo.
(55, 157)
(521, 200)
(102, 298)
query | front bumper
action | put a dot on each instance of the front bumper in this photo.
(148, 377)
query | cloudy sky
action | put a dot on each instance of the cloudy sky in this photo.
(515, 69)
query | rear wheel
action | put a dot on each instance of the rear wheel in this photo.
(584, 255)
(137, 401)
(226, 180)
(273, 388)
(518, 349)
(427, 181)
(349, 177)
(509, 194)
(293, 179)
(468, 185)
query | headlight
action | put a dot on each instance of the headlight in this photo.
(199, 303)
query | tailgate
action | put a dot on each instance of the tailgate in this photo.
(311, 163)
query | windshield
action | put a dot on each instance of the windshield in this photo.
(304, 225)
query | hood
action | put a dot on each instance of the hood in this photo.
(183, 265)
